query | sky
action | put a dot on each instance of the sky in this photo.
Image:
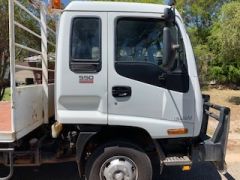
(65, 2)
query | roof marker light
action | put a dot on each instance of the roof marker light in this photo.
(56, 4)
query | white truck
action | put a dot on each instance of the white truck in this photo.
(127, 97)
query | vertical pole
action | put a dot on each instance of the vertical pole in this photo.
(12, 60)
(43, 13)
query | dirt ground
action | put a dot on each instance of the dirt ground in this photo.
(231, 99)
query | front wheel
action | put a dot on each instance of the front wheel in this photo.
(118, 162)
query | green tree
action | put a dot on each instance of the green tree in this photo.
(4, 45)
(199, 17)
(224, 42)
(21, 37)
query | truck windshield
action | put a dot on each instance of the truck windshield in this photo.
(139, 39)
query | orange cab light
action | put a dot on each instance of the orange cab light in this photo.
(186, 168)
(56, 4)
(177, 131)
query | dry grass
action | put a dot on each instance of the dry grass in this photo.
(231, 99)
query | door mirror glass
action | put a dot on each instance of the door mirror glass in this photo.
(169, 48)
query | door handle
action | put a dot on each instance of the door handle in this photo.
(121, 91)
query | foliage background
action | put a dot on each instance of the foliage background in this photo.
(214, 29)
(21, 37)
(213, 26)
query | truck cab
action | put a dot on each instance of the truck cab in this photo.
(127, 77)
(127, 96)
(111, 69)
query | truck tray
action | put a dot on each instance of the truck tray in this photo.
(5, 116)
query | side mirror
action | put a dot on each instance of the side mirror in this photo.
(169, 49)
(169, 15)
(171, 2)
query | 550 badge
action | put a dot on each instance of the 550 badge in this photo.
(86, 79)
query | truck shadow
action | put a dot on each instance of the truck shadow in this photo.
(68, 171)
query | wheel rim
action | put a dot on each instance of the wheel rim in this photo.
(119, 168)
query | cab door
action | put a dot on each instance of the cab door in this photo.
(82, 68)
(137, 92)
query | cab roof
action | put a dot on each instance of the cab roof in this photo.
(107, 6)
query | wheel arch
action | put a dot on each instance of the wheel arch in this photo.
(89, 140)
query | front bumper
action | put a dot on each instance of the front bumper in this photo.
(213, 148)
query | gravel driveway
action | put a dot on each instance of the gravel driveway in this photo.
(68, 171)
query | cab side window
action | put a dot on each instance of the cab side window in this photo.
(139, 40)
(85, 50)
(139, 49)
(139, 53)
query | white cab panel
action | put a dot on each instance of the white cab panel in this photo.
(149, 107)
(194, 79)
(153, 108)
(80, 102)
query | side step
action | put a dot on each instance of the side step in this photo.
(8, 151)
(177, 161)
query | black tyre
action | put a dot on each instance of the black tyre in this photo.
(118, 162)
